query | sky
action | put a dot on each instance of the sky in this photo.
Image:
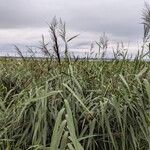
(22, 22)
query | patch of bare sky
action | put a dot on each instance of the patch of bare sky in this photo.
(24, 21)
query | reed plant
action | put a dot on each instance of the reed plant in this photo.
(57, 103)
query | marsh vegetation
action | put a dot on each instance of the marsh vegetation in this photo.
(76, 104)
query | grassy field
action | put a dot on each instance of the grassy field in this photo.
(76, 104)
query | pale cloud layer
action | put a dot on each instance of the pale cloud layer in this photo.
(24, 21)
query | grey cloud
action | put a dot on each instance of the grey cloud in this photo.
(117, 17)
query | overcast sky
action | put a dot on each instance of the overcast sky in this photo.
(24, 21)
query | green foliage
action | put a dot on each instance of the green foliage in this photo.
(63, 104)
(77, 105)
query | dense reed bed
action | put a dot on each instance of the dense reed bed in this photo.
(75, 104)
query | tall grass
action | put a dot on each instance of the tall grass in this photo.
(64, 104)
(81, 105)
